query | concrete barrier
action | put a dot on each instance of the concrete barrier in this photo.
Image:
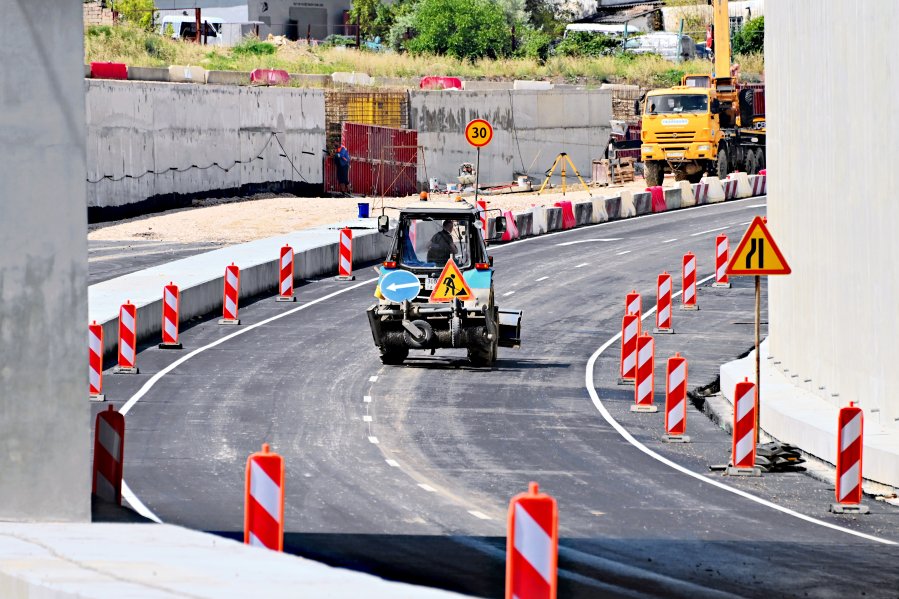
(658, 199)
(525, 222)
(687, 194)
(148, 74)
(759, 184)
(583, 213)
(520, 84)
(599, 213)
(539, 224)
(627, 204)
(715, 191)
(569, 221)
(310, 80)
(673, 198)
(642, 203)
(553, 219)
(744, 189)
(613, 207)
(351, 78)
(186, 74)
(227, 78)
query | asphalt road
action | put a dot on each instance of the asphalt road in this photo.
(407, 471)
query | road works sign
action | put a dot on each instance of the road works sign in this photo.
(479, 133)
(757, 253)
(451, 285)
(400, 285)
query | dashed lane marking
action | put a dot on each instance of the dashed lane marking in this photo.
(624, 252)
(373, 378)
(367, 399)
(427, 488)
(366, 418)
(508, 293)
(393, 463)
(582, 264)
(709, 231)
(373, 440)
(670, 240)
(542, 279)
(479, 515)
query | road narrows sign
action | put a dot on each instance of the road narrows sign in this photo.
(479, 133)
(757, 253)
(451, 285)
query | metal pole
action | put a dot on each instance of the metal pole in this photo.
(197, 22)
(477, 179)
(758, 359)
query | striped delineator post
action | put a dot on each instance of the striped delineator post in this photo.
(171, 305)
(721, 261)
(109, 449)
(345, 256)
(688, 278)
(850, 443)
(644, 383)
(633, 303)
(630, 330)
(127, 339)
(264, 500)
(285, 276)
(676, 400)
(663, 304)
(482, 212)
(95, 361)
(231, 295)
(532, 546)
(743, 454)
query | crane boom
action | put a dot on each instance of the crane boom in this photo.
(721, 22)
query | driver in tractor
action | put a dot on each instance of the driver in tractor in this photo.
(442, 247)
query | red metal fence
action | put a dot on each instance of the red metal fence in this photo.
(383, 160)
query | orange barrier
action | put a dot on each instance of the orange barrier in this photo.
(532, 546)
(171, 304)
(630, 331)
(264, 500)
(676, 399)
(644, 384)
(127, 339)
(345, 260)
(109, 449)
(285, 278)
(850, 435)
(721, 261)
(688, 279)
(663, 304)
(568, 219)
(745, 407)
(231, 296)
(95, 361)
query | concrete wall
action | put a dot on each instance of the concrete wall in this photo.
(137, 126)
(832, 205)
(530, 129)
(44, 430)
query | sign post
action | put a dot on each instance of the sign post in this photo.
(751, 259)
(478, 133)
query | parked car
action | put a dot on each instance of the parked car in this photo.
(669, 46)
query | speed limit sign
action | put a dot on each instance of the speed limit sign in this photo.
(478, 133)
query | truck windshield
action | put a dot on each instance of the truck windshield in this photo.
(430, 243)
(677, 104)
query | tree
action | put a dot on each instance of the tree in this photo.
(751, 38)
(139, 12)
(467, 29)
(375, 18)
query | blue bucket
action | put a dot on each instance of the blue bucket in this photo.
(363, 209)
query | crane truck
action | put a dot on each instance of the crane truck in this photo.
(710, 124)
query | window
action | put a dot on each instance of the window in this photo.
(429, 242)
(677, 104)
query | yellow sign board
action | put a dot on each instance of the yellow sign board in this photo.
(479, 133)
(451, 285)
(757, 253)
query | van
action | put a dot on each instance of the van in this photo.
(604, 28)
(670, 46)
(185, 27)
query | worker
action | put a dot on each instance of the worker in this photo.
(442, 247)
(342, 162)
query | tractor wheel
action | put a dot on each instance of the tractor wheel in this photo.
(394, 355)
(655, 172)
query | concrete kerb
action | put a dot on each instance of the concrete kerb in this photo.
(553, 219)
(627, 208)
(642, 203)
(673, 198)
(583, 213)
(599, 214)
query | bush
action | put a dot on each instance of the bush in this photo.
(138, 12)
(583, 43)
(468, 29)
(751, 38)
(535, 44)
(250, 46)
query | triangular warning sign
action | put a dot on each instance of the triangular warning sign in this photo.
(451, 285)
(757, 253)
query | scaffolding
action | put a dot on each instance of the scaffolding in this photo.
(370, 107)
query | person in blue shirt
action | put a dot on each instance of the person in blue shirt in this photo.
(342, 161)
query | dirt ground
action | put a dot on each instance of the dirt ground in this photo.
(237, 220)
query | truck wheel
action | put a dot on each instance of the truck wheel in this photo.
(751, 165)
(760, 158)
(721, 168)
(655, 172)
(483, 355)
(394, 355)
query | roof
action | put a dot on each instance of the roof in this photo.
(438, 206)
(622, 13)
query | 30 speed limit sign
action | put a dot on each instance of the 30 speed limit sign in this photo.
(478, 133)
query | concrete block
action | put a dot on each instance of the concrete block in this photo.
(310, 80)
(87, 71)
(186, 74)
(525, 222)
(486, 85)
(532, 85)
(351, 78)
(583, 213)
(553, 219)
(613, 207)
(744, 189)
(716, 189)
(227, 78)
(402, 82)
(759, 184)
(642, 203)
(600, 214)
(687, 194)
(539, 224)
(148, 73)
(673, 198)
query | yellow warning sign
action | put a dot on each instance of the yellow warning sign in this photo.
(757, 253)
(451, 285)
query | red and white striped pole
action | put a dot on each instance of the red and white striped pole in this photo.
(264, 500)
(676, 400)
(345, 256)
(688, 278)
(633, 303)
(127, 339)
(630, 330)
(285, 276)
(532, 546)
(663, 304)
(95, 361)
(482, 212)
(743, 455)
(721, 279)
(171, 306)
(850, 443)
(109, 447)
(231, 296)
(644, 383)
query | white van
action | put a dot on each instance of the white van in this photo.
(185, 27)
(669, 46)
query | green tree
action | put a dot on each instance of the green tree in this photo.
(751, 38)
(467, 29)
(139, 12)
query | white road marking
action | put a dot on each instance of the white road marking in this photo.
(366, 418)
(582, 264)
(587, 241)
(367, 399)
(373, 440)
(427, 488)
(709, 231)
(542, 279)
(373, 378)
(508, 293)
(758, 206)
(743, 224)
(393, 463)
(624, 252)
(479, 515)
(607, 416)
(670, 240)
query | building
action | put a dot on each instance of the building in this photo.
(298, 19)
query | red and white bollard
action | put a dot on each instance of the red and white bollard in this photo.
(532, 546)
(743, 456)
(850, 443)
(231, 296)
(171, 306)
(109, 448)
(482, 212)
(688, 278)
(630, 330)
(95, 361)
(285, 276)
(345, 257)
(644, 384)
(264, 500)
(676, 400)
(633, 303)
(663, 304)
(721, 279)
(127, 339)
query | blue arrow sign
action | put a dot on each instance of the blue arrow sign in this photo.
(400, 285)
